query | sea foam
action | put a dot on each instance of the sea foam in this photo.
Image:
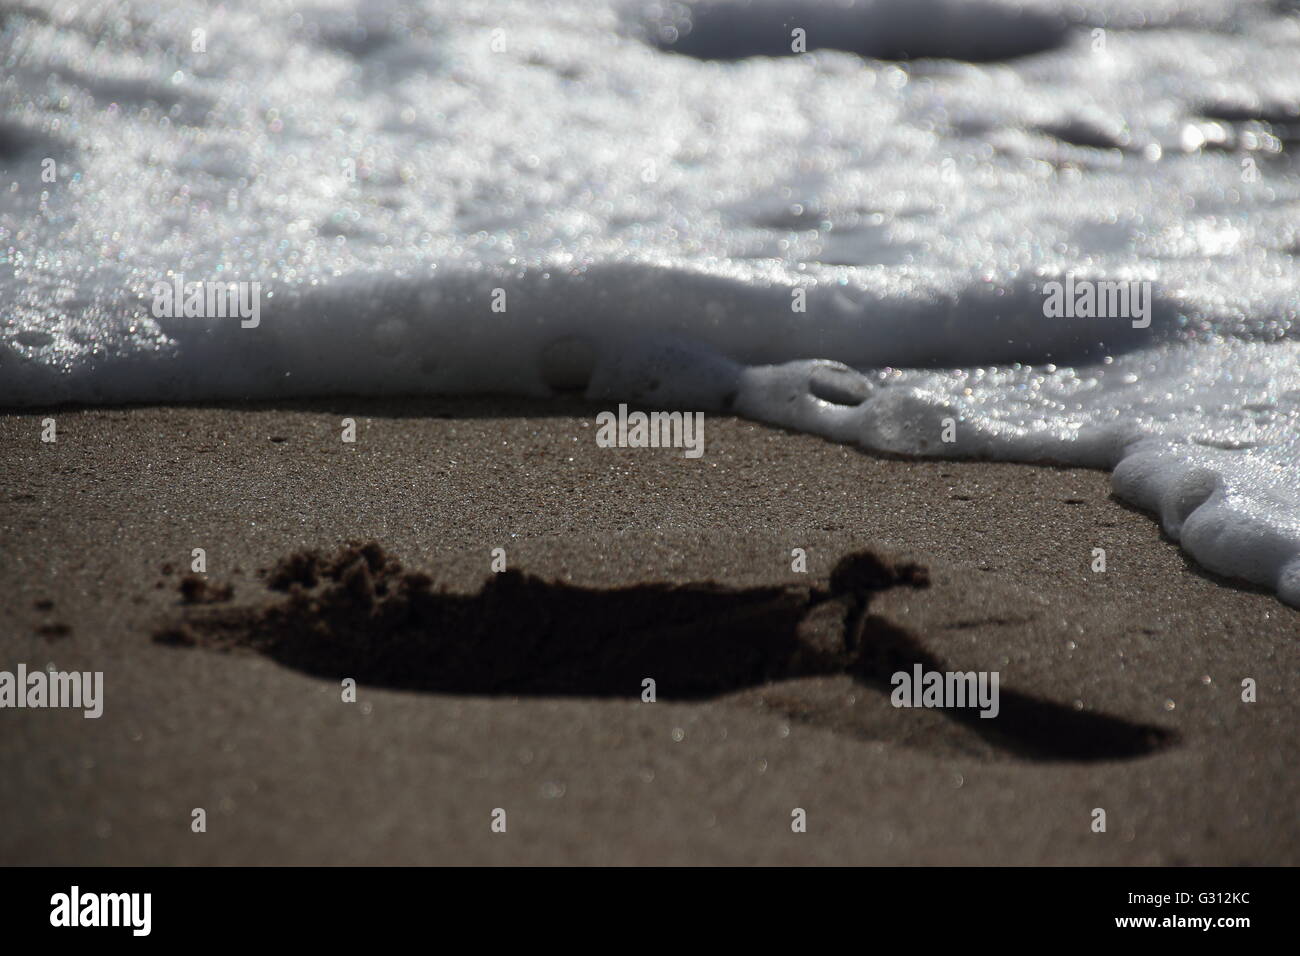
(671, 213)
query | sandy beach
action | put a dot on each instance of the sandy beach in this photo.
(97, 531)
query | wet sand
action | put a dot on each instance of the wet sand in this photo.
(97, 531)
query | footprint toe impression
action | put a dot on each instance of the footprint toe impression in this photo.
(359, 614)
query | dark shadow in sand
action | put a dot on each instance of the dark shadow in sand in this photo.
(359, 615)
